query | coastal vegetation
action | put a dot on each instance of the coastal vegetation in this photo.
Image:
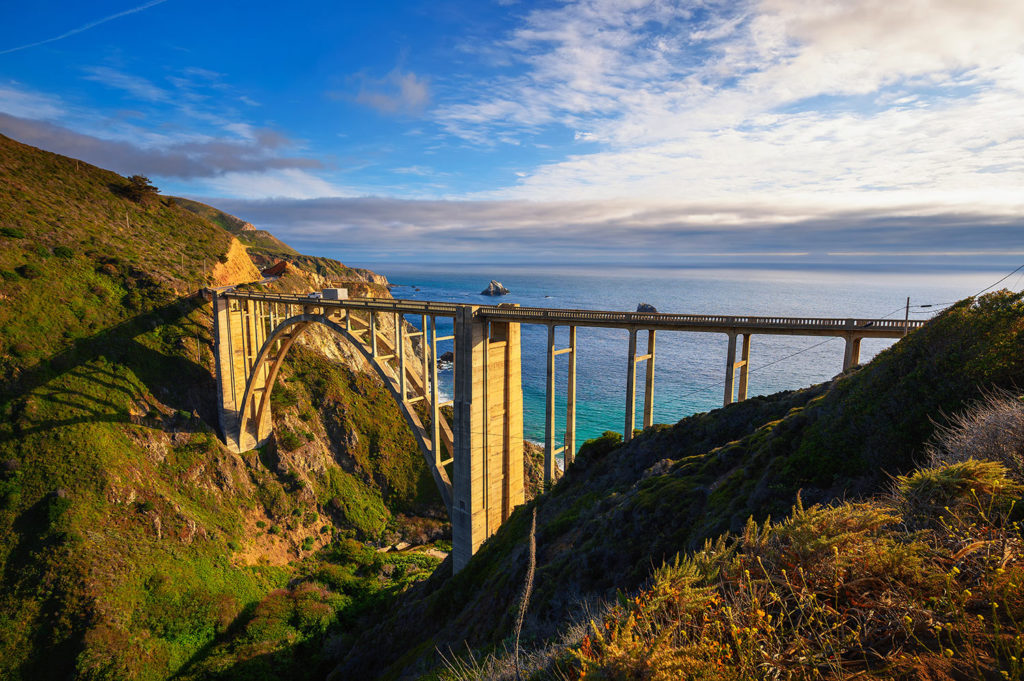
(866, 527)
(622, 510)
(133, 545)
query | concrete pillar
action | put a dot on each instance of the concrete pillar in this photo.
(851, 357)
(744, 367)
(373, 333)
(487, 481)
(549, 413)
(730, 370)
(435, 414)
(224, 369)
(649, 382)
(403, 389)
(627, 433)
(570, 402)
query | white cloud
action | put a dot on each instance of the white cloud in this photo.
(17, 101)
(830, 104)
(399, 92)
(286, 183)
(136, 86)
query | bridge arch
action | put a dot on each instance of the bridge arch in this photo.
(254, 424)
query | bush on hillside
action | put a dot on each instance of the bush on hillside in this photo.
(832, 592)
(139, 188)
(29, 271)
(12, 233)
(992, 429)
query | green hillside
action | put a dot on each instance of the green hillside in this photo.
(258, 240)
(623, 509)
(133, 545)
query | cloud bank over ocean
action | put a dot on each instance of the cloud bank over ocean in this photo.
(645, 128)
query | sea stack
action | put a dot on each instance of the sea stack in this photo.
(646, 307)
(495, 289)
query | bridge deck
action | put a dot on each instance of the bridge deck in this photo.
(794, 326)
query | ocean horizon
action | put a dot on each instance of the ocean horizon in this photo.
(690, 367)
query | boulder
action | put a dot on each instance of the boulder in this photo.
(495, 289)
(646, 307)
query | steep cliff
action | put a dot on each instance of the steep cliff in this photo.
(133, 545)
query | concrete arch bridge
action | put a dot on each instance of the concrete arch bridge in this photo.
(477, 459)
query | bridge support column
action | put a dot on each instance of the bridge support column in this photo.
(851, 357)
(237, 332)
(570, 402)
(549, 414)
(488, 468)
(730, 370)
(731, 365)
(627, 430)
(649, 382)
(744, 366)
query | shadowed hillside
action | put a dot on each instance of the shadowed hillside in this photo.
(623, 509)
(133, 545)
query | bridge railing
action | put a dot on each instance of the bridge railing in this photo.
(540, 315)
(377, 304)
(548, 315)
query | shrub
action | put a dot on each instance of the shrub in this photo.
(307, 544)
(139, 188)
(12, 233)
(959, 490)
(145, 506)
(63, 252)
(992, 429)
(29, 271)
(288, 439)
(57, 505)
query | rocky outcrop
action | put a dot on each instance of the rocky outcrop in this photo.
(495, 289)
(646, 307)
(276, 270)
(235, 267)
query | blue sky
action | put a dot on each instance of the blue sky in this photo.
(603, 130)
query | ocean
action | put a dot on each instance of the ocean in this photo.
(690, 367)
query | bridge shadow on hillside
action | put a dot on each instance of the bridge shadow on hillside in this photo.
(84, 379)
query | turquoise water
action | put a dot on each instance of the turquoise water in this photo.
(690, 367)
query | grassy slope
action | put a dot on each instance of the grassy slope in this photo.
(258, 241)
(132, 544)
(622, 509)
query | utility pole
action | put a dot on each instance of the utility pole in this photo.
(906, 318)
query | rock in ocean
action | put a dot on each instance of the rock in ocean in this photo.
(495, 289)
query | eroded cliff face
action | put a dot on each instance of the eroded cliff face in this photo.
(237, 268)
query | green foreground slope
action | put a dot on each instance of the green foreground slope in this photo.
(622, 509)
(133, 545)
